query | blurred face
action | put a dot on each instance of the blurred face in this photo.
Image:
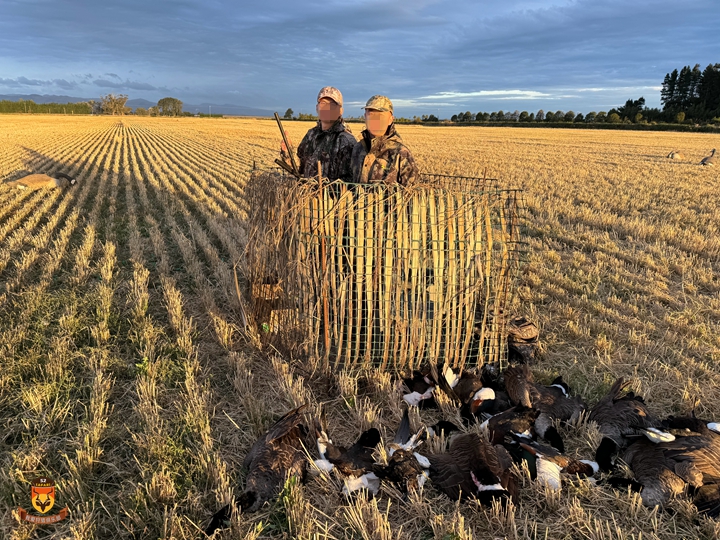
(377, 122)
(328, 111)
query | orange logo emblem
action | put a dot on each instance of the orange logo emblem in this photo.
(42, 494)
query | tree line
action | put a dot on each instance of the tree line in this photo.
(111, 104)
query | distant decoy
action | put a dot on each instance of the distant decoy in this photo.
(473, 467)
(675, 155)
(39, 181)
(709, 160)
(621, 417)
(273, 458)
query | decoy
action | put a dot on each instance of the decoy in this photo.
(40, 181)
(709, 160)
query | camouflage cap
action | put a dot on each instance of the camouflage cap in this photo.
(332, 93)
(379, 103)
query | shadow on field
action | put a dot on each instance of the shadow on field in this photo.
(37, 162)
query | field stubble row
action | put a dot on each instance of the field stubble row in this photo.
(124, 374)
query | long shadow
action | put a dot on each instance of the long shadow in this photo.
(50, 166)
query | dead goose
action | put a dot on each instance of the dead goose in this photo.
(273, 458)
(473, 467)
(709, 160)
(420, 390)
(621, 417)
(675, 155)
(39, 181)
(664, 469)
(460, 388)
(553, 402)
(547, 465)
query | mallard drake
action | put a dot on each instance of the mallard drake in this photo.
(517, 420)
(273, 458)
(40, 181)
(622, 416)
(553, 402)
(473, 467)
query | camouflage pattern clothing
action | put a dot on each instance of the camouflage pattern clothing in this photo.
(332, 148)
(379, 159)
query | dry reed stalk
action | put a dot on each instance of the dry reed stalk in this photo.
(389, 265)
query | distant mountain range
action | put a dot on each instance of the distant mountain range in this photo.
(227, 108)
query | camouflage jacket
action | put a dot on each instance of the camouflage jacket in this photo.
(380, 159)
(332, 148)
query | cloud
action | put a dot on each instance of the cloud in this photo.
(123, 85)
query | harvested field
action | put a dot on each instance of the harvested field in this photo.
(126, 376)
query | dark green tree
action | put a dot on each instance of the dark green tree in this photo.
(169, 106)
(288, 114)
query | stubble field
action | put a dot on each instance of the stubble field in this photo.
(124, 373)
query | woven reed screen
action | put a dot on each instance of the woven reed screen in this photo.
(382, 275)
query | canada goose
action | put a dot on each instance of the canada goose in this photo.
(420, 391)
(675, 155)
(473, 467)
(39, 181)
(547, 465)
(353, 461)
(273, 458)
(553, 402)
(622, 416)
(460, 388)
(522, 340)
(663, 469)
(709, 160)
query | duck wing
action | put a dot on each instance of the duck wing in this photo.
(285, 425)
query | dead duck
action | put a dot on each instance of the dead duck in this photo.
(518, 420)
(273, 458)
(709, 160)
(553, 402)
(34, 182)
(473, 467)
(548, 466)
(675, 154)
(621, 417)
(665, 469)
(406, 468)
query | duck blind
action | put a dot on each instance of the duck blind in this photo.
(383, 276)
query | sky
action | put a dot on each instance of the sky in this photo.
(429, 56)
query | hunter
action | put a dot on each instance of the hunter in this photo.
(380, 155)
(330, 142)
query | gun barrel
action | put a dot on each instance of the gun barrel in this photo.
(295, 169)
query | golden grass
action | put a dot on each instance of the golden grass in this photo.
(126, 373)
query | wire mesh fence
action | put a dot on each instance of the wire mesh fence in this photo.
(384, 275)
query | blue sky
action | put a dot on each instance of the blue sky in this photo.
(427, 56)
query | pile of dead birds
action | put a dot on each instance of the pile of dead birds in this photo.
(509, 423)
